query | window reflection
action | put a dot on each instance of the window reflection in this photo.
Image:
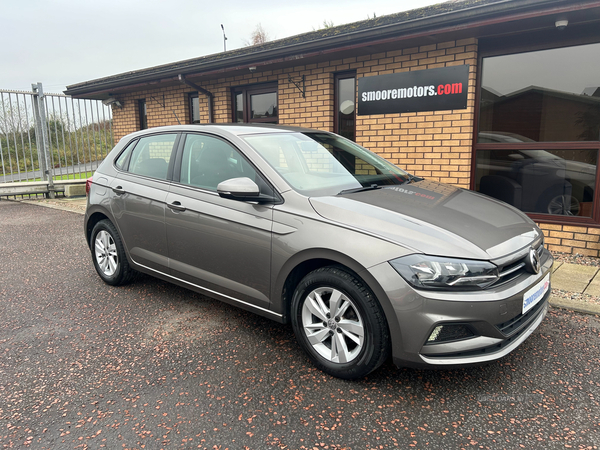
(194, 108)
(239, 107)
(255, 103)
(548, 95)
(264, 105)
(142, 114)
(558, 182)
(346, 110)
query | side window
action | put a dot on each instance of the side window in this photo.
(151, 156)
(123, 160)
(207, 160)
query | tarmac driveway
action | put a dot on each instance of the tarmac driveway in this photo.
(151, 365)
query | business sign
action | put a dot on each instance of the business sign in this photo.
(421, 90)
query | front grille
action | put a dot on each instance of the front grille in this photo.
(517, 322)
(513, 269)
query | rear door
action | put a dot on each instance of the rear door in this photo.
(220, 245)
(138, 196)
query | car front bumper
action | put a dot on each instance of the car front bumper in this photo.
(494, 317)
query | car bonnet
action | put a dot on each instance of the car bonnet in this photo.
(434, 219)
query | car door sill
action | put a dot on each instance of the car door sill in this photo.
(226, 298)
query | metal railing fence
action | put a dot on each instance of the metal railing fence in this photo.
(51, 136)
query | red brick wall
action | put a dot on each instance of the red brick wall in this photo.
(163, 107)
(572, 239)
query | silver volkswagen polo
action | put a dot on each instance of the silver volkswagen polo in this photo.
(308, 228)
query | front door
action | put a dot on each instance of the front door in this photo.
(222, 246)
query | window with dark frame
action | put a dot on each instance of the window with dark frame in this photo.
(538, 131)
(194, 106)
(142, 114)
(345, 105)
(255, 104)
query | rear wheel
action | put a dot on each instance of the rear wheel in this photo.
(108, 254)
(339, 323)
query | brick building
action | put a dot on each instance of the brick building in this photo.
(524, 128)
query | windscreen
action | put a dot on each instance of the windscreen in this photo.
(324, 164)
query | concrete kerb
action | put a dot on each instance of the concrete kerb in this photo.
(73, 204)
(572, 279)
(574, 305)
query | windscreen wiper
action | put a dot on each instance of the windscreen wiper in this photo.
(412, 179)
(360, 189)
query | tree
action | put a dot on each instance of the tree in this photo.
(258, 36)
(13, 117)
(589, 120)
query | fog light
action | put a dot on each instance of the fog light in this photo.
(446, 333)
(434, 335)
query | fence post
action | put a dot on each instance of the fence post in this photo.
(41, 136)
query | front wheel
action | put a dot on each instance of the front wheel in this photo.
(108, 254)
(339, 323)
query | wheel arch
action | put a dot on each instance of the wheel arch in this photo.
(92, 217)
(305, 262)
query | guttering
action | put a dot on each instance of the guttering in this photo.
(468, 17)
(208, 94)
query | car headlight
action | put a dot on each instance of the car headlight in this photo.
(435, 272)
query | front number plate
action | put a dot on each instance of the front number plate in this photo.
(535, 294)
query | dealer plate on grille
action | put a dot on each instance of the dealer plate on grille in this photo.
(535, 294)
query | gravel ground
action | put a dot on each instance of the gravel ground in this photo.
(151, 365)
(576, 259)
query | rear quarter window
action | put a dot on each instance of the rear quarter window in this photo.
(122, 160)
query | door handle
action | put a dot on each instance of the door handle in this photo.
(176, 206)
(118, 190)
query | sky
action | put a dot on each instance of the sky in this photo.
(64, 42)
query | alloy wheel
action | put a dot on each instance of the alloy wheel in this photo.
(106, 253)
(333, 325)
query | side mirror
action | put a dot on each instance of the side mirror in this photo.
(243, 189)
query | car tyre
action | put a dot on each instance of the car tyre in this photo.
(339, 323)
(108, 254)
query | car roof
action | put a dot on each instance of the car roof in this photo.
(236, 129)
